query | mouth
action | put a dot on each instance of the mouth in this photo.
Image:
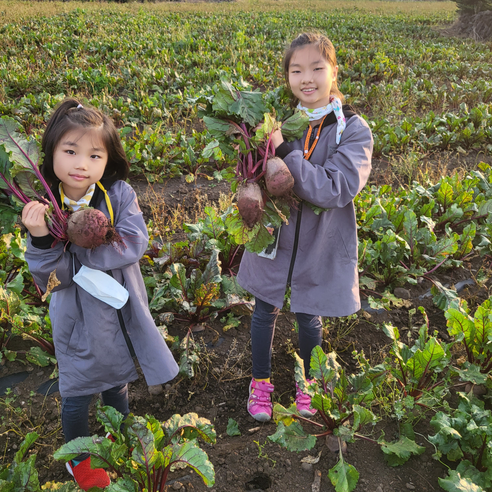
(308, 90)
(78, 177)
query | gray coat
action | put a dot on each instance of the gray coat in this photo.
(90, 347)
(324, 275)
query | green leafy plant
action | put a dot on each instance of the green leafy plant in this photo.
(475, 335)
(21, 475)
(420, 370)
(144, 450)
(212, 229)
(196, 293)
(464, 435)
(343, 403)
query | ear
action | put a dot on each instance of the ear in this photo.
(335, 73)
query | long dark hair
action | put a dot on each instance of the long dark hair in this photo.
(327, 51)
(71, 115)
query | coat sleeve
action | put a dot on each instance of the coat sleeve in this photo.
(42, 262)
(337, 181)
(130, 225)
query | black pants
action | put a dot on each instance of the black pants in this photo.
(75, 410)
(262, 331)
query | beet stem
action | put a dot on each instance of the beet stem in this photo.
(35, 168)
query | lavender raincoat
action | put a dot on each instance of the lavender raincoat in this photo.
(317, 254)
(91, 350)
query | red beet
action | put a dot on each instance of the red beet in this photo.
(278, 180)
(90, 228)
(250, 203)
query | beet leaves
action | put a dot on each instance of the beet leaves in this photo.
(21, 180)
(242, 122)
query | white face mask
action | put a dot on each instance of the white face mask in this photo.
(102, 286)
(335, 105)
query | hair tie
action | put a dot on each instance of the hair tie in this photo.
(80, 106)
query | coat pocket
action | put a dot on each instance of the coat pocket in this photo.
(66, 337)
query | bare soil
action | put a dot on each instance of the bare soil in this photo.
(220, 388)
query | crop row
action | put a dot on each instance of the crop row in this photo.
(147, 70)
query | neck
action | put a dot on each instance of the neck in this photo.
(315, 122)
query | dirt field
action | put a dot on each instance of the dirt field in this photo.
(219, 390)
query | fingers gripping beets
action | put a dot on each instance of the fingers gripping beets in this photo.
(85, 165)
(316, 254)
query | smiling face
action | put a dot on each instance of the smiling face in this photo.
(79, 160)
(311, 77)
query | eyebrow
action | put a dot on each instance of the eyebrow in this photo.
(317, 62)
(75, 144)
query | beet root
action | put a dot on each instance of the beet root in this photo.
(278, 180)
(90, 228)
(250, 203)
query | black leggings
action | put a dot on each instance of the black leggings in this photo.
(262, 331)
(75, 410)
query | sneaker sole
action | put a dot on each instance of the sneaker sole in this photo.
(260, 417)
(307, 413)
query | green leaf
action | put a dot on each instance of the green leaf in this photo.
(194, 457)
(77, 446)
(442, 296)
(212, 272)
(218, 128)
(343, 476)
(249, 106)
(293, 437)
(285, 415)
(37, 355)
(233, 428)
(323, 367)
(23, 156)
(110, 418)
(28, 441)
(189, 426)
(144, 453)
(125, 484)
(293, 127)
(399, 452)
(455, 483)
(362, 416)
(14, 142)
(471, 373)
(25, 476)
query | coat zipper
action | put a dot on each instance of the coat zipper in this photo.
(312, 137)
(125, 333)
(129, 343)
(296, 242)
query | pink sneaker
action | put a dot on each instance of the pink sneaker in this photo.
(259, 401)
(303, 403)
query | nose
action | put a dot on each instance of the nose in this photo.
(82, 163)
(307, 76)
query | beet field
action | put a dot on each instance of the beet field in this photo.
(403, 387)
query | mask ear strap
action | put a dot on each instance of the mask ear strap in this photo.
(108, 202)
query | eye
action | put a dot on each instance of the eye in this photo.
(95, 156)
(70, 152)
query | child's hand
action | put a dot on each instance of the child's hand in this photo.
(277, 138)
(33, 219)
